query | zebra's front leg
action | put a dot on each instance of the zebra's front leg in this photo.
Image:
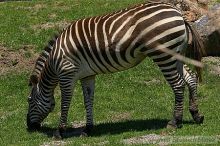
(192, 83)
(66, 86)
(88, 87)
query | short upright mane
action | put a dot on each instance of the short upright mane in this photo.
(40, 62)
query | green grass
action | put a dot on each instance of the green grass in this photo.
(20, 19)
(128, 104)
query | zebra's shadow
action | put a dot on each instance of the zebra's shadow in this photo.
(113, 128)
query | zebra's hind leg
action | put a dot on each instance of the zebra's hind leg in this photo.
(88, 87)
(191, 80)
(174, 78)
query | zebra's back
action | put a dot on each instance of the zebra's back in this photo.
(120, 40)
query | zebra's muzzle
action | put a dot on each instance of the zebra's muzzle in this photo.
(32, 126)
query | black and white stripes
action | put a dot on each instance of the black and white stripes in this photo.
(111, 43)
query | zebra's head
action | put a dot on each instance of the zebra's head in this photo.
(39, 106)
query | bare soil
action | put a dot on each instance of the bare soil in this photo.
(45, 26)
(17, 61)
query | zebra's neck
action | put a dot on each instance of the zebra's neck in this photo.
(46, 77)
(47, 83)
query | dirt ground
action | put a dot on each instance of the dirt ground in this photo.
(17, 61)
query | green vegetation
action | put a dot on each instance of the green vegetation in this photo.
(128, 104)
(34, 22)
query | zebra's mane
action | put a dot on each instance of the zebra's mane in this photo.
(44, 55)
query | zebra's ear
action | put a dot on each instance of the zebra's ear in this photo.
(33, 80)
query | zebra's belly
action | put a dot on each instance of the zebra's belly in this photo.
(95, 69)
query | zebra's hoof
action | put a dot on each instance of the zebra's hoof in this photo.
(173, 124)
(57, 135)
(83, 134)
(199, 119)
(87, 131)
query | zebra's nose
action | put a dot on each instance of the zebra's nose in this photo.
(32, 126)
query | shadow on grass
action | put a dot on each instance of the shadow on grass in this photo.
(113, 128)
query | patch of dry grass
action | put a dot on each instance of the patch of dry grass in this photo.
(50, 25)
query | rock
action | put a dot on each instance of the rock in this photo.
(208, 27)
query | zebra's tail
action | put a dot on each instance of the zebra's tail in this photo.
(196, 49)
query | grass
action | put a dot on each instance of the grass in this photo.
(128, 104)
(26, 22)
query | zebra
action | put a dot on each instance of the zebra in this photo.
(110, 43)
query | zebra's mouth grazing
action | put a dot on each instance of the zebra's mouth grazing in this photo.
(32, 126)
